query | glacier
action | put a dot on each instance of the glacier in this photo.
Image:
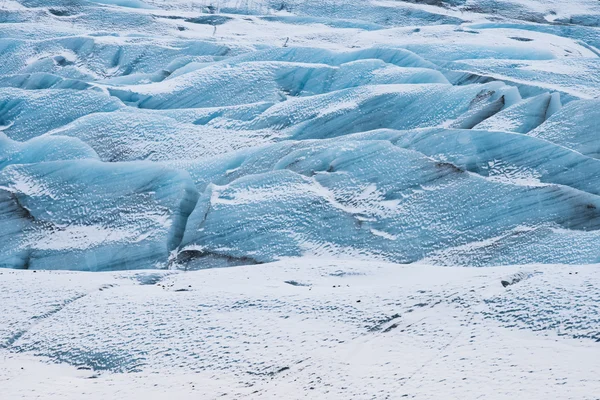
(172, 135)
(286, 199)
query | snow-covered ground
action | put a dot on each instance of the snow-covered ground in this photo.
(308, 328)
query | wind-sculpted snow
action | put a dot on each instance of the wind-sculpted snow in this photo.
(367, 330)
(380, 13)
(172, 134)
(442, 52)
(585, 36)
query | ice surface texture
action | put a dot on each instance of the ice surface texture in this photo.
(91, 215)
(164, 134)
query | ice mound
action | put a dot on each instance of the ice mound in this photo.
(499, 156)
(154, 137)
(25, 114)
(93, 216)
(226, 85)
(101, 57)
(40, 80)
(524, 116)
(386, 106)
(576, 127)
(42, 149)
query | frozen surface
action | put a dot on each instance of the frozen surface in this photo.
(344, 195)
(90, 215)
(304, 328)
(575, 127)
(353, 162)
(26, 114)
(194, 134)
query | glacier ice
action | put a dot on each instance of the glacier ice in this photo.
(394, 56)
(524, 116)
(42, 149)
(155, 137)
(89, 215)
(165, 134)
(224, 84)
(576, 78)
(320, 198)
(499, 156)
(40, 80)
(92, 58)
(385, 106)
(575, 127)
(25, 114)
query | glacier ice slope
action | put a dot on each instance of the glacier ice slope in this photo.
(243, 83)
(42, 149)
(25, 114)
(175, 135)
(575, 127)
(89, 215)
(185, 134)
(348, 196)
(156, 137)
